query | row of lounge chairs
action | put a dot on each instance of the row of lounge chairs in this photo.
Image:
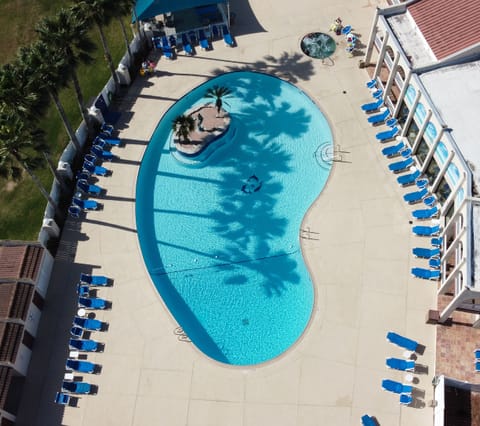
(77, 343)
(188, 40)
(421, 194)
(404, 390)
(99, 152)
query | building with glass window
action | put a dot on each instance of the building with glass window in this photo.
(427, 62)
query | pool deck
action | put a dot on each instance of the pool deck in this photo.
(356, 239)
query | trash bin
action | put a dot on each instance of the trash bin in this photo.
(123, 75)
(96, 113)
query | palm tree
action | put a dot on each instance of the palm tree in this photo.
(21, 147)
(182, 126)
(49, 70)
(218, 93)
(100, 12)
(122, 9)
(19, 94)
(67, 33)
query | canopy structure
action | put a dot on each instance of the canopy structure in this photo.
(146, 9)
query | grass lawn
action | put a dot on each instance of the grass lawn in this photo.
(22, 205)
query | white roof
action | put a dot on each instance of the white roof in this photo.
(455, 92)
(411, 39)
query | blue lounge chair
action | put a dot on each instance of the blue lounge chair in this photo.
(187, 47)
(406, 399)
(78, 387)
(476, 353)
(77, 332)
(435, 263)
(95, 170)
(202, 39)
(83, 290)
(379, 118)
(84, 345)
(371, 83)
(368, 420)
(85, 204)
(99, 280)
(400, 364)
(426, 274)
(396, 387)
(392, 151)
(430, 200)
(74, 211)
(377, 93)
(104, 141)
(426, 213)
(167, 52)
(347, 29)
(416, 196)
(87, 188)
(157, 42)
(92, 303)
(426, 253)
(477, 366)
(107, 129)
(409, 179)
(388, 134)
(88, 323)
(403, 342)
(421, 183)
(80, 366)
(372, 106)
(62, 398)
(426, 231)
(100, 153)
(400, 165)
(227, 38)
(437, 241)
(172, 41)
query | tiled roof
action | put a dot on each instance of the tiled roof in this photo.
(448, 26)
(6, 374)
(15, 298)
(11, 336)
(20, 261)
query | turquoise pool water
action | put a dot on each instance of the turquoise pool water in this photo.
(221, 242)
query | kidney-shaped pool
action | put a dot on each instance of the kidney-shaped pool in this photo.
(220, 239)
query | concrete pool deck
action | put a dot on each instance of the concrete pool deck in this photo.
(359, 255)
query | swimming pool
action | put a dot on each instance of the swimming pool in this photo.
(221, 242)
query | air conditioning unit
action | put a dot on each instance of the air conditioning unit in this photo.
(51, 228)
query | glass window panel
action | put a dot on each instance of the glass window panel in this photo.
(412, 132)
(422, 151)
(443, 191)
(432, 171)
(402, 113)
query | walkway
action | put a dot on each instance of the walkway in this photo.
(360, 265)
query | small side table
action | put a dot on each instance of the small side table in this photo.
(81, 312)
(407, 354)
(73, 354)
(409, 378)
(68, 376)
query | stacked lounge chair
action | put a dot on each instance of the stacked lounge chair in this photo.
(396, 387)
(426, 213)
(400, 364)
(403, 342)
(95, 280)
(426, 274)
(388, 134)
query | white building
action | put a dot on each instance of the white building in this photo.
(425, 55)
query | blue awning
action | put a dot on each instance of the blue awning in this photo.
(146, 9)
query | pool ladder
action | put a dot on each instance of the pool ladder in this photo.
(181, 335)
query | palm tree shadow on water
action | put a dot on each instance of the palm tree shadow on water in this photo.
(252, 230)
